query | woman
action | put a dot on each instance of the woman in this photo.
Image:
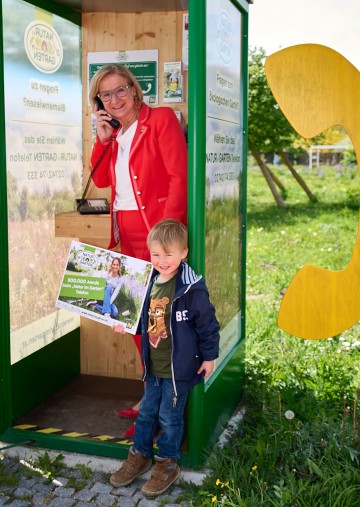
(114, 282)
(144, 161)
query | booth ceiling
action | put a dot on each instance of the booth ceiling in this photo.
(124, 5)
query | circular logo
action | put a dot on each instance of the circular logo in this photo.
(43, 47)
(86, 259)
(224, 37)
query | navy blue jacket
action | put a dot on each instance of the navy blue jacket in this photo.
(194, 329)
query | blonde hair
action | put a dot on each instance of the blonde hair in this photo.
(168, 232)
(113, 68)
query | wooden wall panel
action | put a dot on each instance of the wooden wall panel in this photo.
(103, 352)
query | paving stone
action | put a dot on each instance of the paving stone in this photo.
(101, 488)
(21, 492)
(126, 502)
(20, 503)
(147, 502)
(61, 481)
(64, 492)
(126, 491)
(75, 473)
(85, 495)
(41, 487)
(105, 499)
(4, 500)
(62, 502)
(28, 483)
(42, 498)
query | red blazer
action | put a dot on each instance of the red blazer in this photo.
(157, 165)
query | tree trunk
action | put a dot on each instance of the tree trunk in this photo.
(276, 179)
(297, 176)
(267, 174)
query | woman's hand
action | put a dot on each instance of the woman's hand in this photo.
(103, 128)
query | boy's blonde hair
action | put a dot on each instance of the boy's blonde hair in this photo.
(168, 232)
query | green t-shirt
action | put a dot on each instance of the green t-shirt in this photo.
(159, 333)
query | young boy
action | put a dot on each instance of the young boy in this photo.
(180, 341)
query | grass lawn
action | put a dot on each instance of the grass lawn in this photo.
(299, 442)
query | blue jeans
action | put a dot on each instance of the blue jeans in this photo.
(157, 408)
(107, 307)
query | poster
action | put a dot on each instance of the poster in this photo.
(224, 164)
(43, 128)
(173, 82)
(104, 286)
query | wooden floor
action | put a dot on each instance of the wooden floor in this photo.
(89, 404)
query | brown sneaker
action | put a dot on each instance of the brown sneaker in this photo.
(135, 465)
(165, 472)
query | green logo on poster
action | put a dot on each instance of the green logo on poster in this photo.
(87, 259)
(43, 47)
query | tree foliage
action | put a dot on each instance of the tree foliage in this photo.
(269, 130)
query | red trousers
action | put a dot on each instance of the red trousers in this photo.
(133, 234)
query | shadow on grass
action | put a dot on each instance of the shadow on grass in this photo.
(271, 215)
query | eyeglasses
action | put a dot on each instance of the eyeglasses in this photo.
(119, 93)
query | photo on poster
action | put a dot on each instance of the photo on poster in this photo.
(172, 82)
(104, 286)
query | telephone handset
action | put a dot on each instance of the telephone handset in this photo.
(113, 122)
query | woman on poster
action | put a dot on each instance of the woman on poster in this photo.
(114, 282)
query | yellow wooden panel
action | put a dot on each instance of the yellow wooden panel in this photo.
(317, 88)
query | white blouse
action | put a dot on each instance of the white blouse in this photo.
(124, 195)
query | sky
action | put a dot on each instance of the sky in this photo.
(277, 24)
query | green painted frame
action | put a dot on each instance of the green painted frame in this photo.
(217, 403)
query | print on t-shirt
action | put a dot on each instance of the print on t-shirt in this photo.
(156, 324)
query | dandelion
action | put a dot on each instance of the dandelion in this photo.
(214, 498)
(282, 232)
(254, 468)
(289, 414)
(217, 482)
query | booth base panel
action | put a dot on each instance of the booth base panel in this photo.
(87, 406)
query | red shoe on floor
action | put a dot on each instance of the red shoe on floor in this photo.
(130, 432)
(128, 413)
